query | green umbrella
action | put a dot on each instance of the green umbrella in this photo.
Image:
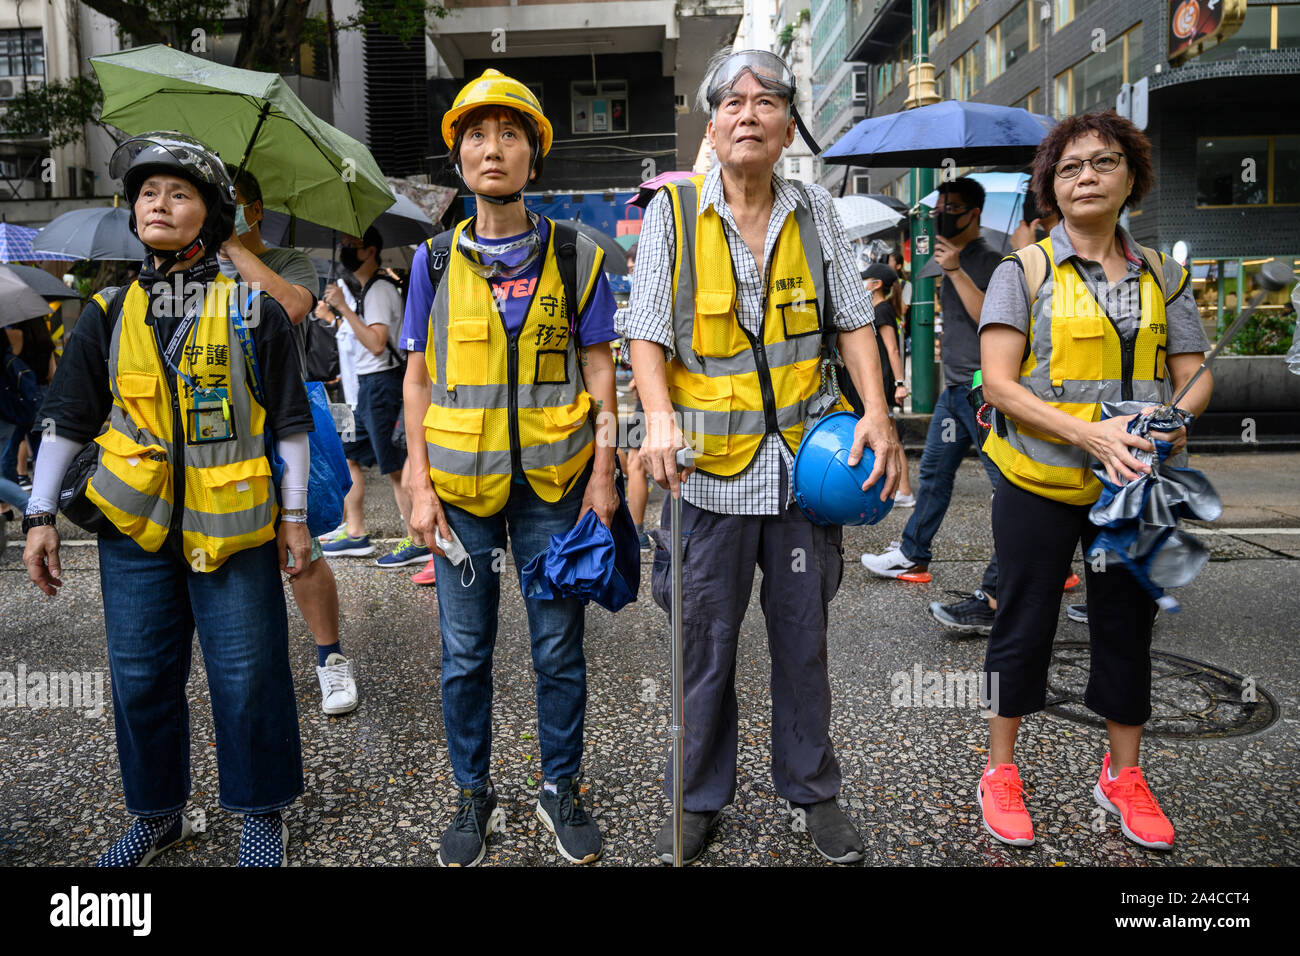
(305, 167)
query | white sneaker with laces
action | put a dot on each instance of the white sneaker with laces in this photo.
(338, 686)
(904, 501)
(888, 565)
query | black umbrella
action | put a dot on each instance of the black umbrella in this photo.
(47, 286)
(615, 257)
(100, 233)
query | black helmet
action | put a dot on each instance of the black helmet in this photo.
(185, 156)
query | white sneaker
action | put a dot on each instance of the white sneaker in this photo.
(338, 688)
(888, 565)
(905, 501)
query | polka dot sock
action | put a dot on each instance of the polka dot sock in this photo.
(262, 841)
(146, 834)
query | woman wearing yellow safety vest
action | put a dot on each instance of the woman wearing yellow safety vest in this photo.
(1084, 316)
(183, 484)
(507, 371)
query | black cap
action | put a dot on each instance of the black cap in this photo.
(878, 270)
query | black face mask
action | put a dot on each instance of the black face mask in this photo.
(349, 257)
(947, 224)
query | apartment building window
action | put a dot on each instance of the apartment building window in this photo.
(1031, 101)
(1066, 10)
(958, 11)
(1248, 171)
(793, 163)
(599, 107)
(1011, 38)
(13, 45)
(966, 75)
(938, 19)
(1095, 80)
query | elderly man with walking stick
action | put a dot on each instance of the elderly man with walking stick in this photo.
(740, 277)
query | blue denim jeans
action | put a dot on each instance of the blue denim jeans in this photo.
(467, 618)
(953, 420)
(152, 606)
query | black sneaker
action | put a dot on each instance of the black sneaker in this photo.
(695, 833)
(1079, 613)
(576, 835)
(832, 833)
(465, 841)
(969, 616)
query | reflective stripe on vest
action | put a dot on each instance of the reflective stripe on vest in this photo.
(493, 400)
(229, 506)
(731, 390)
(1086, 368)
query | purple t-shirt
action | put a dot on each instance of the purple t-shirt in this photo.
(595, 323)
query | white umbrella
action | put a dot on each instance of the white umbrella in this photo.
(863, 216)
(18, 301)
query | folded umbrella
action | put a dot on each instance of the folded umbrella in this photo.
(1139, 520)
(589, 562)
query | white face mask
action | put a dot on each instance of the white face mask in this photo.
(241, 223)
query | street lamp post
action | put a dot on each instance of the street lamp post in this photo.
(921, 92)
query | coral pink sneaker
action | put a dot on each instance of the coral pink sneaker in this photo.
(1140, 817)
(1001, 799)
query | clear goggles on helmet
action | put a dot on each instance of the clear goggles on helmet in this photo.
(768, 69)
(771, 72)
(187, 152)
(500, 260)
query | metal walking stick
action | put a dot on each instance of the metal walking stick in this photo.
(678, 729)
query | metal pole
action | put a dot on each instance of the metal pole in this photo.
(678, 727)
(921, 313)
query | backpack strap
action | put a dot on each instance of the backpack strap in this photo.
(566, 258)
(437, 254)
(1034, 267)
(246, 345)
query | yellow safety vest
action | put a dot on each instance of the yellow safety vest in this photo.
(500, 404)
(229, 505)
(1074, 360)
(732, 388)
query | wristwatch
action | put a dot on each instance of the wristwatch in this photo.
(294, 515)
(38, 520)
(898, 383)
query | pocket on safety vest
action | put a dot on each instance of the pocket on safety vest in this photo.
(705, 406)
(799, 318)
(223, 502)
(454, 437)
(468, 349)
(141, 394)
(716, 334)
(1080, 356)
(143, 469)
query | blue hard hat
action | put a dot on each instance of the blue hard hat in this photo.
(826, 487)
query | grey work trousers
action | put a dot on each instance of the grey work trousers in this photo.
(802, 565)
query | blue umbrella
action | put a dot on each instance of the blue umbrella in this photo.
(100, 233)
(969, 134)
(16, 245)
(1139, 520)
(589, 562)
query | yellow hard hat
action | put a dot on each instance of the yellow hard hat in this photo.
(494, 88)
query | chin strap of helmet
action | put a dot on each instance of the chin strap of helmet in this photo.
(170, 257)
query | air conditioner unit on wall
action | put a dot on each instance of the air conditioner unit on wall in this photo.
(11, 86)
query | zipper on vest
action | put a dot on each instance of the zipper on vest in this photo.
(512, 398)
(764, 373)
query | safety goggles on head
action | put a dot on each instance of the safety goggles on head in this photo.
(771, 72)
(497, 260)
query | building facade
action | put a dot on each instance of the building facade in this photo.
(1224, 126)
